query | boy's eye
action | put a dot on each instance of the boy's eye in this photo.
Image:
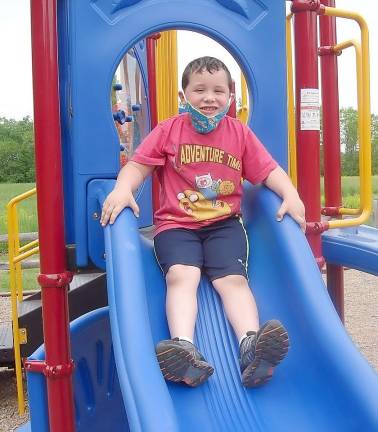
(199, 90)
(219, 91)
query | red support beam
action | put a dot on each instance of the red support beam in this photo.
(330, 107)
(54, 279)
(308, 133)
(331, 141)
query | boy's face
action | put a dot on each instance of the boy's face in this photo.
(207, 92)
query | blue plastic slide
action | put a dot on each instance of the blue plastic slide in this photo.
(324, 384)
(355, 248)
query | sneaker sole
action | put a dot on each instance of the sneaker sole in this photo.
(271, 348)
(179, 365)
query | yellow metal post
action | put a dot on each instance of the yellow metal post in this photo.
(167, 73)
(15, 282)
(292, 145)
(13, 270)
(243, 111)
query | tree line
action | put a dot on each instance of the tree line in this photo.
(350, 143)
(16, 151)
(17, 147)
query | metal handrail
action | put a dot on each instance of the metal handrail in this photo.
(290, 104)
(15, 255)
(364, 118)
(338, 48)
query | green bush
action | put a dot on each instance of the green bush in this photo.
(16, 151)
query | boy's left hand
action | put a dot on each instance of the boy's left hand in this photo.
(293, 205)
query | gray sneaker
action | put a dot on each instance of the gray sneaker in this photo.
(180, 361)
(260, 352)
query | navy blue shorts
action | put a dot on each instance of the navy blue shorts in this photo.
(219, 249)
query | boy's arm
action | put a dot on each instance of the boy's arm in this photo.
(129, 179)
(279, 182)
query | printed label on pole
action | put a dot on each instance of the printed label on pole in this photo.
(310, 118)
(310, 109)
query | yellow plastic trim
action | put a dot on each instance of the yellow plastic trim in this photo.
(243, 112)
(15, 281)
(364, 118)
(166, 75)
(292, 142)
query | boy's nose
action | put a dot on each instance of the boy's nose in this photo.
(209, 97)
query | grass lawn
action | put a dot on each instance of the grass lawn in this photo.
(27, 211)
(351, 191)
(29, 280)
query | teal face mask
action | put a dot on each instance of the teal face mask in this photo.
(202, 123)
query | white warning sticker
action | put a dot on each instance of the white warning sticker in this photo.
(310, 109)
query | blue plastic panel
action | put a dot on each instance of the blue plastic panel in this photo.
(355, 248)
(97, 397)
(96, 247)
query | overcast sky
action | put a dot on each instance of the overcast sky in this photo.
(15, 71)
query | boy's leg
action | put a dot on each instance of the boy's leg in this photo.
(179, 253)
(225, 262)
(181, 301)
(239, 303)
(260, 349)
(179, 359)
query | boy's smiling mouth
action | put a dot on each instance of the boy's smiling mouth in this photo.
(208, 110)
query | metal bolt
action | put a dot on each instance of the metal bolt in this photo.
(96, 216)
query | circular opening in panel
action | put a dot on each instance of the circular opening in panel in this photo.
(144, 93)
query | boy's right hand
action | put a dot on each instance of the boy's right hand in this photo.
(115, 202)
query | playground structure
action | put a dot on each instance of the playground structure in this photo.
(287, 283)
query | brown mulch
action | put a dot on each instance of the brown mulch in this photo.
(361, 322)
(9, 417)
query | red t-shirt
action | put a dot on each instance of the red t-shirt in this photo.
(201, 174)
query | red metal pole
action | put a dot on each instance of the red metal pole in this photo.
(331, 141)
(308, 133)
(54, 278)
(151, 72)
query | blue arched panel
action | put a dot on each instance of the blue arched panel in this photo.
(100, 33)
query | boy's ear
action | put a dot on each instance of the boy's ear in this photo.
(182, 96)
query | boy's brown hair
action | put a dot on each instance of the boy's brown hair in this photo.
(199, 65)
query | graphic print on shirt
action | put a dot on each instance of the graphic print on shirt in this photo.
(207, 186)
(203, 201)
(202, 204)
(195, 153)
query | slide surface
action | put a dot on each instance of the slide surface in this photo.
(324, 384)
(355, 248)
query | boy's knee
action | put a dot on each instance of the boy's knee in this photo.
(230, 282)
(178, 273)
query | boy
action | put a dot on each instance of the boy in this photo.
(200, 158)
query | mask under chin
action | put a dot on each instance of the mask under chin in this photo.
(203, 123)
